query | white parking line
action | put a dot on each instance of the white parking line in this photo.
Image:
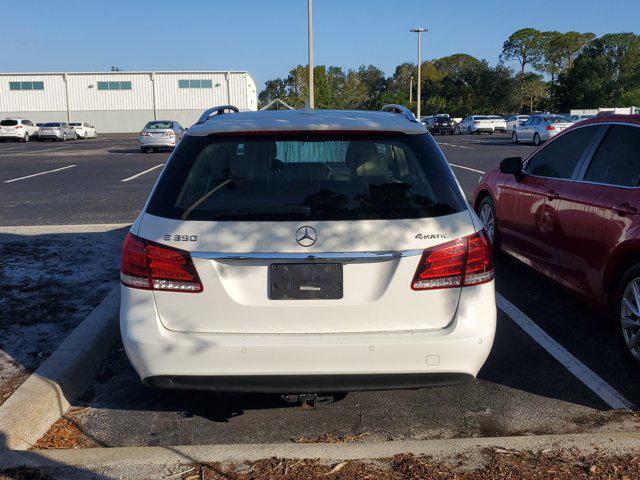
(454, 145)
(467, 168)
(595, 383)
(38, 174)
(141, 173)
(34, 152)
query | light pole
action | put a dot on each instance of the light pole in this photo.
(310, 30)
(410, 89)
(419, 100)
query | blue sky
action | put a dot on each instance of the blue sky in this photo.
(268, 37)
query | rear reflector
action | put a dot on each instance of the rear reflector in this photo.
(464, 262)
(152, 266)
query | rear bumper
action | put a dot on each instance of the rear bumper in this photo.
(14, 136)
(168, 142)
(308, 362)
(482, 129)
(307, 383)
(56, 136)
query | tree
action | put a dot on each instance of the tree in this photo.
(375, 84)
(524, 46)
(533, 89)
(605, 73)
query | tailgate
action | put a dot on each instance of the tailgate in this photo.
(378, 259)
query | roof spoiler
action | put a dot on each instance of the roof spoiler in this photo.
(207, 114)
(402, 110)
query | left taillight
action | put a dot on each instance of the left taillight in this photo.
(463, 262)
(152, 266)
(550, 128)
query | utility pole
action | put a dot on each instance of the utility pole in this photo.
(310, 31)
(411, 90)
(419, 31)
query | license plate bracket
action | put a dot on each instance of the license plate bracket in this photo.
(305, 281)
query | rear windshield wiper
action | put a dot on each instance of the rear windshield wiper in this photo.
(223, 181)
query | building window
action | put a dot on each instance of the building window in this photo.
(26, 85)
(195, 84)
(114, 85)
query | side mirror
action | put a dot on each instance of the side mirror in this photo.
(512, 166)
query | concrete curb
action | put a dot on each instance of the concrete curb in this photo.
(604, 443)
(46, 395)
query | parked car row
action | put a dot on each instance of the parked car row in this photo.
(21, 129)
(571, 211)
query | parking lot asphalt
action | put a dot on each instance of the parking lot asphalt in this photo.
(522, 389)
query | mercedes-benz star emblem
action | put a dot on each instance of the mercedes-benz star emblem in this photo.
(306, 236)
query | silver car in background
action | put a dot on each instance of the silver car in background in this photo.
(540, 128)
(57, 131)
(160, 134)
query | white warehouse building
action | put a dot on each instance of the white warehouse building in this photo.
(117, 102)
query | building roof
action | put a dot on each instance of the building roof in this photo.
(307, 120)
(127, 72)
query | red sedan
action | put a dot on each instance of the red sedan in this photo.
(571, 211)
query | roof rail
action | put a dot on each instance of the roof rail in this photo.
(402, 110)
(207, 114)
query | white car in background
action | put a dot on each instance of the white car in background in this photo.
(476, 124)
(540, 128)
(84, 130)
(244, 273)
(499, 123)
(579, 118)
(160, 134)
(17, 129)
(514, 121)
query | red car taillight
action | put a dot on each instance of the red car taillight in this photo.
(152, 266)
(464, 262)
(145, 134)
(550, 128)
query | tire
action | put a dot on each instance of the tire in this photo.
(536, 140)
(487, 213)
(144, 149)
(26, 137)
(64, 137)
(514, 137)
(627, 322)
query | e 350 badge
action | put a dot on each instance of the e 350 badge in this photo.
(180, 238)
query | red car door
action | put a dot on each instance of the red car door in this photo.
(527, 209)
(600, 209)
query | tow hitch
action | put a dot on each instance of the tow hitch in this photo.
(308, 401)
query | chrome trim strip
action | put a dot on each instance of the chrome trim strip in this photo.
(342, 257)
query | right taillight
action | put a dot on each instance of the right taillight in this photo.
(153, 266)
(464, 262)
(550, 128)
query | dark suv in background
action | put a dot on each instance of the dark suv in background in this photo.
(441, 124)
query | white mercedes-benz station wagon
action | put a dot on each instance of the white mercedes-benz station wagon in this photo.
(307, 251)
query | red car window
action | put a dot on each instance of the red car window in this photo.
(617, 160)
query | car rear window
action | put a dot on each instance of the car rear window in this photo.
(481, 118)
(158, 125)
(8, 123)
(75, 124)
(51, 124)
(306, 177)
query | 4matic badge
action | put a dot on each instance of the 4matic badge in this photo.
(430, 236)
